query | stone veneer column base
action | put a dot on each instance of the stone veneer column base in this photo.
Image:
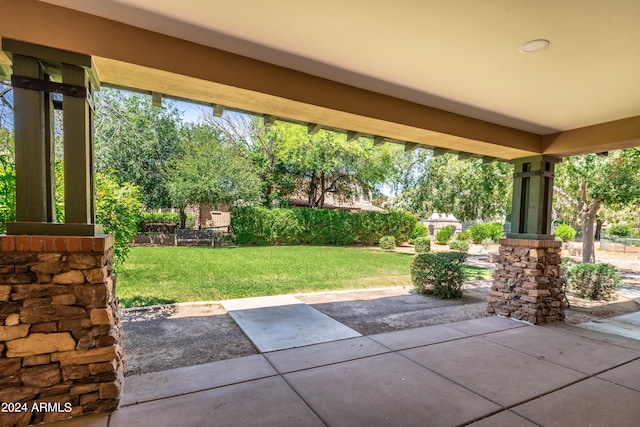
(528, 283)
(60, 331)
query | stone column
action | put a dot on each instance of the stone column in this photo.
(60, 335)
(527, 282)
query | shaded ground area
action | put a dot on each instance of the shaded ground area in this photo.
(190, 334)
(186, 335)
(168, 338)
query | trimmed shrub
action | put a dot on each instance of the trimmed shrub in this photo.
(565, 232)
(621, 230)
(388, 243)
(420, 230)
(464, 235)
(439, 274)
(594, 281)
(479, 232)
(459, 245)
(444, 235)
(306, 226)
(422, 245)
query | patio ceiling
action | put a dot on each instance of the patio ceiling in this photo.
(445, 74)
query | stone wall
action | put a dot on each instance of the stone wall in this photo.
(527, 282)
(60, 334)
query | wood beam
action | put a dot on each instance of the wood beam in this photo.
(352, 136)
(218, 110)
(410, 146)
(156, 99)
(269, 120)
(313, 128)
(379, 140)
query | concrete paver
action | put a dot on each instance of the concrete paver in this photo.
(386, 390)
(500, 374)
(593, 402)
(284, 324)
(504, 419)
(173, 382)
(626, 375)
(263, 402)
(564, 349)
(317, 355)
(409, 338)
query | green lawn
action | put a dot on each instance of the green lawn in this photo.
(161, 275)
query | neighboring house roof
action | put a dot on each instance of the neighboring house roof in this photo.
(335, 203)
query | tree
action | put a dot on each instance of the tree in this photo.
(258, 143)
(137, 142)
(290, 161)
(591, 181)
(326, 163)
(468, 189)
(210, 171)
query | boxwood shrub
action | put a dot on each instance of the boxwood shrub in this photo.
(282, 226)
(480, 232)
(388, 243)
(422, 245)
(438, 273)
(594, 281)
(444, 235)
(459, 245)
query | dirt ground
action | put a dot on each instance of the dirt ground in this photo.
(190, 334)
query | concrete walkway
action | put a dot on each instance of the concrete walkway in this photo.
(283, 321)
(490, 371)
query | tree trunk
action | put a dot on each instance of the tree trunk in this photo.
(588, 215)
(598, 229)
(183, 219)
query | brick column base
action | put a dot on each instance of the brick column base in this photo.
(60, 334)
(527, 283)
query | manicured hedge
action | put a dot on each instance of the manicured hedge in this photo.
(305, 226)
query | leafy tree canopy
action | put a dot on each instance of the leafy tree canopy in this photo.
(467, 188)
(210, 170)
(591, 181)
(137, 142)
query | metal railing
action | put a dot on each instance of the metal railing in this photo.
(620, 244)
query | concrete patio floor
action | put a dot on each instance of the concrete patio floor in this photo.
(486, 372)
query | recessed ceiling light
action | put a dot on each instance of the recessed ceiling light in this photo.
(534, 46)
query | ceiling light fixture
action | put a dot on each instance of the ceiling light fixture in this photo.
(534, 46)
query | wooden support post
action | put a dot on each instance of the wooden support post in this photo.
(32, 153)
(532, 198)
(38, 73)
(78, 150)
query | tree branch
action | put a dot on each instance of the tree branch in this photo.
(566, 196)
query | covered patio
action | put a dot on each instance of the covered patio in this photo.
(485, 372)
(523, 83)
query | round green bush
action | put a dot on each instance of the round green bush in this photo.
(594, 281)
(479, 232)
(464, 235)
(388, 243)
(459, 245)
(444, 235)
(422, 245)
(420, 230)
(565, 232)
(621, 230)
(438, 273)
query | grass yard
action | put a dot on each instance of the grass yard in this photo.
(162, 275)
